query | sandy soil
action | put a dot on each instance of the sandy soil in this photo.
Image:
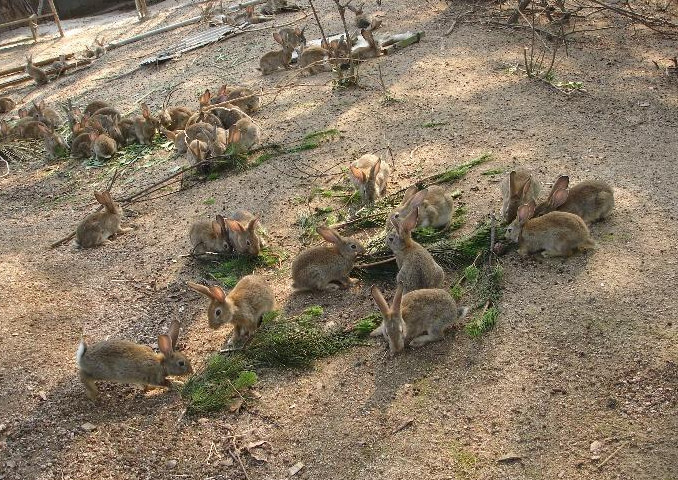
(586, 349)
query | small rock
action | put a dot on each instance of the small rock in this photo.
(88, 427)
(10, 463)
(42, 395)
(296, 468)
(509, 458)
(171, 463)
(595, 447)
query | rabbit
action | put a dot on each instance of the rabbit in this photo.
(96, 105)
(555, 234)
(174, 118)
(55, 146)
(417, 268)
(145, 126)
(244, 98)
(592, 200)
(121, 361)
(36, 73)
(110, 125)
(81, 146)
(28, 129)
(253, 17)
(293, 37)
(313, 59)
(179, 139)
(318, 268)
(228, 116)
(42, 113)
(96, 50)
(202, 115)
(244, 135)
(244, 306)
(104, 147)
(217, 142)
(272, 61)
(434, 206)
(97, 227)
(361, 19)
(127, 130)
(274, 6)
(242, 233)
(369, 50)
(370, 176)
(196, 152)
(416, 318)
(339, 53)
(517, 189)
(59, 66)
(6, 104)
(199, 131)
(210, 237)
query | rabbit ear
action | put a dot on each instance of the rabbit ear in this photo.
(409, 222)
(409, 193)
(358, 174)
(205, 98)
(223, 90)
(558, 197)
(165, 345)
(234, 134)
(217, 293)
(200, 288)
(561, 183)
(297, 32)
(525, 212)
(145, 111)
(216, 228)
(277, 38)
(418, 198)
(526, 189)
(222, 224)
(252, 225)
(329, 235)
(374, 171)
(380, 301)
(397, 299)
(234, 225)
(101, 197)
(173, 332)
(513, 188)
(250, 10)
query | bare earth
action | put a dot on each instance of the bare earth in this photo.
(585, 349)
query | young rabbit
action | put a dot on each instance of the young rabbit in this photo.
(592, 200)
(293, 37)
(242, 233)
(6, 104)
(145, 126)
(244, 135)
(28, 129)
(434, 206)
(95, 106)
(203, 115)
(417, 318)
(244, 98)
(253, 17)
(179, 139)
(274, 60)
(43, 113)
(339, 53)
(127, 130)
(174, 118)
(121, 361)
(318, 268)
(36, 73)
(555, 234)
(361, 19)
(55, 146)
(369, 50)
(517, 189)
(81, 146)
(313, 59)
(228, 116)
(209, 237)
(370, 176)
(104, 147)
(97, 227)
(196, 152)
(417, 268)
(244, 306)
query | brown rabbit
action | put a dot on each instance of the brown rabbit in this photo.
(55, 146)
(272, 61)
(417, 268)
(196, 152)
(81, 146)
(43, 113)
(121, 361)
(244, 135)
(36, 73)
(361, 19)
(517, 189)
(203, 115)
(104, 147)
(592, 200)
(417, 318)
(179, 139)
(228, 116)
(210, 237)
(174, 118)
(28, 129)
(370, 176)
(244, 98)
(322, 267)
(127, 130)
(314, 59)
(145, 126)
(555, 234)
(434, 206)
(244, 306)
(293, 37)
(242, 233)
(6, 104)
(95, 106)
(97, 227)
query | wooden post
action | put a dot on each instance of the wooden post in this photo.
(56, 17)
(33, 25)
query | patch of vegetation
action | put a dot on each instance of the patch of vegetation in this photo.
(295, 342)
(483, 322)
(365, 325)
(458, 172)
(493, 171)
(434, 124)
(230, 271)
(465, 462)
(321, 216)
(209, 201)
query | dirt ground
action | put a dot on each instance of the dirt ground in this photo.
(585, 349)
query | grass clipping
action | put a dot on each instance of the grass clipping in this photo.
(294, 342)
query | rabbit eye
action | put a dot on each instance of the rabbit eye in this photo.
(249, 243)
(353, 246)
(396, 215)
(181, 363)
(217, 312)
